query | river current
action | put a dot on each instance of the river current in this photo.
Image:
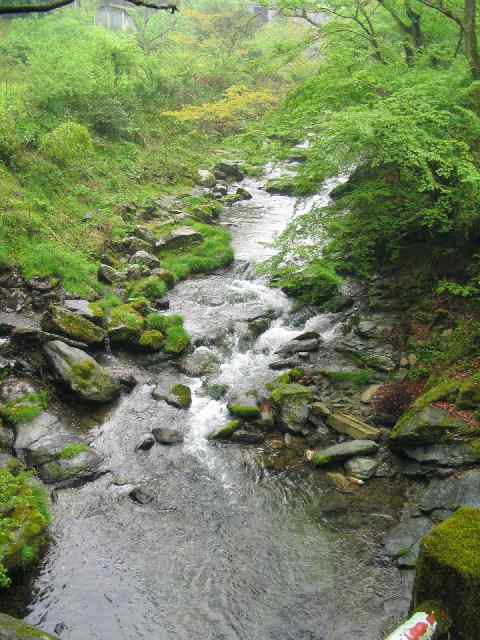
(226, 550)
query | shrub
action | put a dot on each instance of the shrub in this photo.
(68, 144)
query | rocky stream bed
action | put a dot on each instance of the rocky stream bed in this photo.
(246, 510)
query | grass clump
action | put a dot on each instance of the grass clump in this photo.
(152, 340)
(213, 253)
(24, 409)
(171, 326)
(152, 288)
(73, 450)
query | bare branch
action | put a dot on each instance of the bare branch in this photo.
(42, 6)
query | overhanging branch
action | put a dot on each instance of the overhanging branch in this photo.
(42, 6)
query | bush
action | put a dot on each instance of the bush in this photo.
(67, 145)
(395, 398)
(314, 283)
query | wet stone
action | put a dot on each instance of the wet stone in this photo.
(141, 496)
(167, 436)
(145, 443)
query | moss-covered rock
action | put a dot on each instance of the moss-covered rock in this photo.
(126, 324)
(164, 274)
(153, 288)
(81, 373)
(183, 395)
(469, 393)
(431, 425)
(24, 408)
(59, 320)
(226, 432)
(245, 407)
(293, 403)
(13, 629)
(152, 340)
(24, 521)
(448, 571)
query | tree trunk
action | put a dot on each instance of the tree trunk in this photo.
(471, 43)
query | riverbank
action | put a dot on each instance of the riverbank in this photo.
(170, 523)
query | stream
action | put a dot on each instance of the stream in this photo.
(228, 549)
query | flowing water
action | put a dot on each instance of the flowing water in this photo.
(226, 550)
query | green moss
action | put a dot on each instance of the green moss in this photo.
(126, 323)
(152, 340)
(72, 325)
(244, 411)
(469, 393)
(228, 430)
(23, 522)
(177, 340)
(152, 288)
(321, 461)
(24, 409)
(445, 390)
(183, 394)
(73, 450)
(285, 391)
(456, 542)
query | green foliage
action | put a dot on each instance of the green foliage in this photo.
(73, 450)
(357, 378)
(24, 409)
(70, 143)
(213, 253)
(23, 522)
(152, 288)
(313, 282)
(177, 340)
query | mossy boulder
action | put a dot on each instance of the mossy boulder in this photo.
(344, 451)
(24, 522)
(74, 465)
(13, 629)
(81, 373)
(431, 425)
(469, 393)
(293, 403)
(227, 431)
(126, 324)
(183, 395)
(448, 571)
(164, 274)
(152, 340)
(244, 406)
(72, 325)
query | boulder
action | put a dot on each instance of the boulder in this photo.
(143, 257)
(451, 493)
(455, 454)
(362, 468)
(243, 194)
(28, 433)
(353, 427)
(13, 629)
(141, 496)
(344, 451)
(178, 396)
(293, 403)
(448, 571)
(167, 436)
(146, 234)
(201, 362)
(227, 431)
(244, 407)
(429, 425)
(379, 357)
(403, 541)
(108, 274)
(81, 373)
(228, 170)
(299, 346)
(181, 238)
(66, 323)
(72, 467)
(146, 442)
(81, 308)
(206, 178)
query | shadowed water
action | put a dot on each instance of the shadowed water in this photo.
(226, 550)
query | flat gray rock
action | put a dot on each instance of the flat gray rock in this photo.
(167, 436)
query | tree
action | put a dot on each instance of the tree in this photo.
(42, 6)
